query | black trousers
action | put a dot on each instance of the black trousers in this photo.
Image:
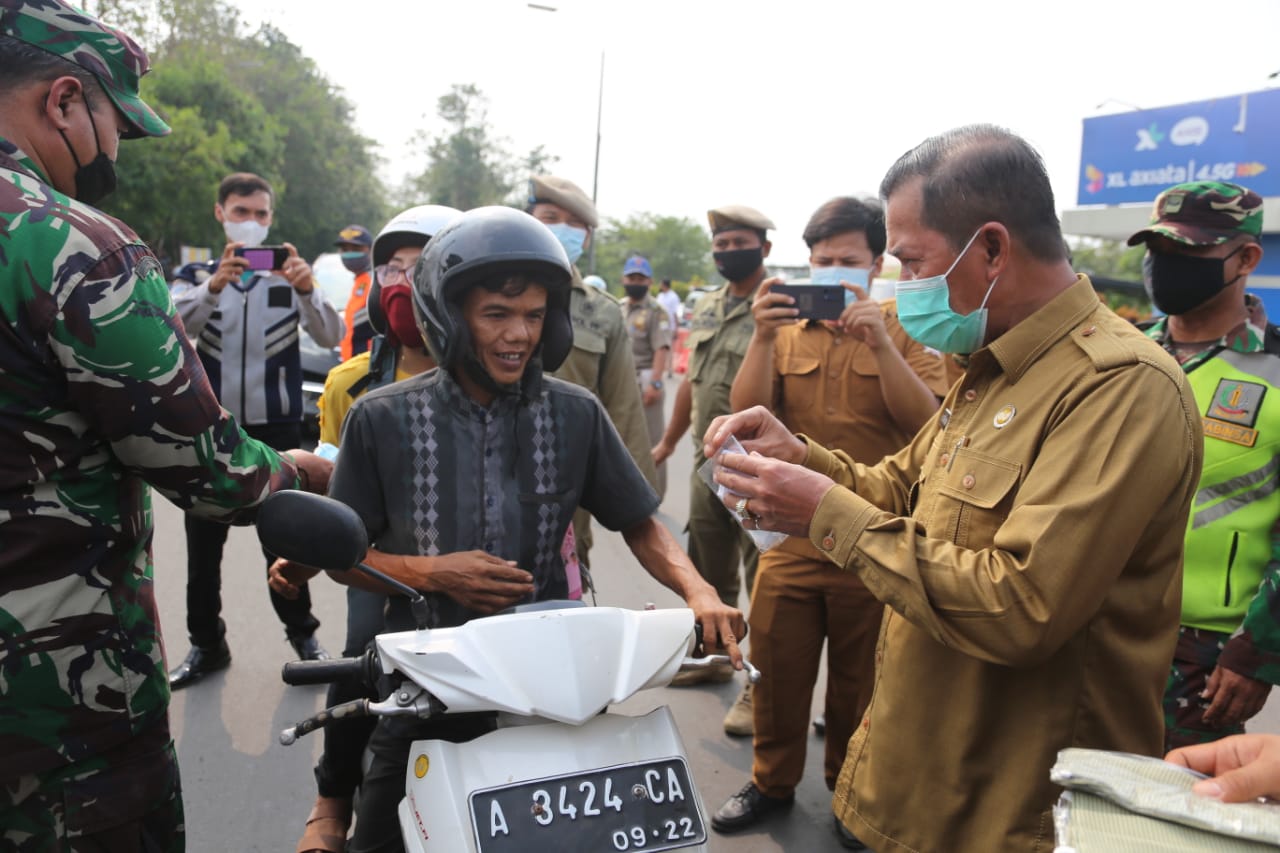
(205, 540)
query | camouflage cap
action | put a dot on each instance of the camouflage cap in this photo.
(111, 56)
(1204, 213)
(563, 193)
(732, 217)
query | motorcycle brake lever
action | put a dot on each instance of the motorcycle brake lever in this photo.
(347, 710)
(753, 674)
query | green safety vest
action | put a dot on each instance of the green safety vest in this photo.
(1229, 530)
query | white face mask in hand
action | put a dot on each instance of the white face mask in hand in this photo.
(249, 232)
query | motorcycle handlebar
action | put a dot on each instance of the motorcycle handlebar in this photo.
(324, 671)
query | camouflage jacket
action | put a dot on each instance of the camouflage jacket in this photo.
(101, 394)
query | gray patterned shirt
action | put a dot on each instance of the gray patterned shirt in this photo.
(432, 472)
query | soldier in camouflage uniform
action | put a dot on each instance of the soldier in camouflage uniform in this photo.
(719, 333)
(101, 396)
(1202, 244)
(601, 359)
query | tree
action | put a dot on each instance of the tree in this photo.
(467, 166)
(677, 247)
(240, 102)
(1106, 258)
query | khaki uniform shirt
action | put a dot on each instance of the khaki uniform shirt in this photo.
(650, 329)
(1028, 545)
(717, 343)
(827, 386)
(601, 362)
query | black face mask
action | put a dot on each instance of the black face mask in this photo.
(1182, 283)
(94, 180)
(636, 292)
(739, 264)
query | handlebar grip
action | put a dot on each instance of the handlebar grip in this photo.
(323, 671)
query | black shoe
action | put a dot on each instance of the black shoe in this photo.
(198, 663)
(820, 725)
(308, 648)
(848, 840)
(747, 807)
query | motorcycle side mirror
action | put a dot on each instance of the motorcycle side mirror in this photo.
(312, 530)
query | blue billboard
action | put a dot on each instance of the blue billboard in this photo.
(1131, 157)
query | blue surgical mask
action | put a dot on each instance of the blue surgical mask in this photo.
(571, 238)
(836, 275)
(924, 309)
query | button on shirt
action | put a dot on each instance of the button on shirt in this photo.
(1032, 572)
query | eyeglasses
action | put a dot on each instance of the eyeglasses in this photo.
(389, 275)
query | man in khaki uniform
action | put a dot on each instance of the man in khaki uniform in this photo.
(861, 385)
(1021, 540)
(601, 359)
(719, 332)
(650, 329)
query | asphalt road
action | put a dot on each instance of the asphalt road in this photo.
(246, 792)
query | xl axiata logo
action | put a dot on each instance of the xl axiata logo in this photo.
(1193, 130)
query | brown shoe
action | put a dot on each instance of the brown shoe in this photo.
(327, 826)
(739, 722)
(718, 674)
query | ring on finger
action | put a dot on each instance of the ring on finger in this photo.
(741, 509)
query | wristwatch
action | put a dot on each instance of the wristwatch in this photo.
(656, 384)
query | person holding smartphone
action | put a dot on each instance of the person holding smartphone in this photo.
(246, 325)
(859, 384)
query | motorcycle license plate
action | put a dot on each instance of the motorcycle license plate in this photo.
(647, 806)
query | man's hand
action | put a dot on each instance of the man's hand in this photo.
(661, 451)
(758, 431)
(314, 471)
(1233, 698)
(1243, 767)
(475, 579)
(780, 496)
(288, 578)
(722, 626)
(297, 271)
(864, 319)
(230, 268)
(651, 395)
(772, 310)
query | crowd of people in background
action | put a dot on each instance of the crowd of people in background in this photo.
(1017, 522)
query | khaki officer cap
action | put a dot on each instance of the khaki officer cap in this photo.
(733, 216)
(565, 193)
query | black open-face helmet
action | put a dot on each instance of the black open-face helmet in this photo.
(412, 227)
(478, 245)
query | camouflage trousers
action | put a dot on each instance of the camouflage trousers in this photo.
(127, 800)
(1194, 660)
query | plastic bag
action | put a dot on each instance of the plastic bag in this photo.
(764, 539)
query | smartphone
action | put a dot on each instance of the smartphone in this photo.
(815, 301)
(264, 258)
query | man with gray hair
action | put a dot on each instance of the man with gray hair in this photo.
(1021, 540)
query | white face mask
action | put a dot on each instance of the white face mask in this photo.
(249, 232)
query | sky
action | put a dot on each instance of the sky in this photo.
(777, 105)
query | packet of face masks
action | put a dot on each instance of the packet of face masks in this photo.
(764, 539)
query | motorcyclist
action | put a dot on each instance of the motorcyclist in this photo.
(397, 352)
(467, 477)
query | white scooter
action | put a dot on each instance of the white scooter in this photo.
(561, 772)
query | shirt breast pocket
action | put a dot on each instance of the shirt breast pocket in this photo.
(280, 296)
(799, 377)
(699, 345)
(975, 497)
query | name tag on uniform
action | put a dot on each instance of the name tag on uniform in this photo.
(1230, 432)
